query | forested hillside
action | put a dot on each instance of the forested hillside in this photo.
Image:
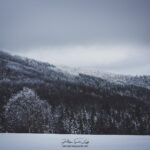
(38, 97)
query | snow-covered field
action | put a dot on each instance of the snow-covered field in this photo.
(85, 142)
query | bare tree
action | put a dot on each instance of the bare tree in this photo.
(25, 112)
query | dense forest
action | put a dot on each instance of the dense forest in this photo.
(37, 97)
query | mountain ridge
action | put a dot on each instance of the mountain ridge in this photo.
(71, 73)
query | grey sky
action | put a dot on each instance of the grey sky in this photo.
(111, 34)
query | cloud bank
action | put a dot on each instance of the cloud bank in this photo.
(111, 34)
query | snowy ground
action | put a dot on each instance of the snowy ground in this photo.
(85, 142)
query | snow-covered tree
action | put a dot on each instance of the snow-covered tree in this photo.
(25, 112)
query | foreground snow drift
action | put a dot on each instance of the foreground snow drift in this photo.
(58, 142)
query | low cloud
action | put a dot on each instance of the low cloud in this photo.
(113, 35)
(119, 59)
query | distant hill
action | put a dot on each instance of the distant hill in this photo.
(83, 100)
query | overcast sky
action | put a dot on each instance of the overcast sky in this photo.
(113, 35)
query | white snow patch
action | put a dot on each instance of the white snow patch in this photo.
(54, 142)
